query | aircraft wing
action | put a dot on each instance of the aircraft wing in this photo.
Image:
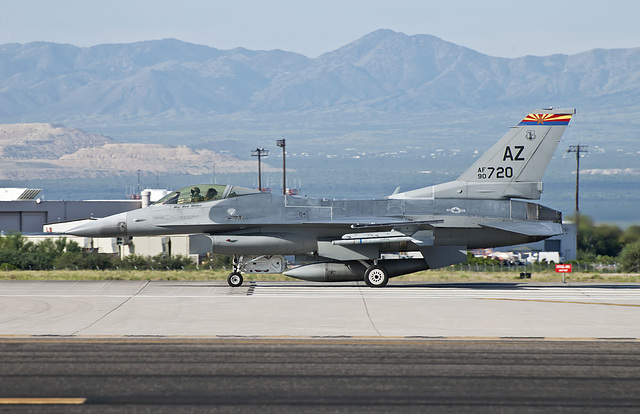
(348, 225)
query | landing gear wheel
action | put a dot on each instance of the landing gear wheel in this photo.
(376, 276)
(235, 279)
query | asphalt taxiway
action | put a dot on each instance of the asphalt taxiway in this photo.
(305, 309)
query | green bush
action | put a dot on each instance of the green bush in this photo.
(218, 261)
(176, 262)
(134, 261)
(18, 253)
(7, 266)
(68, 260)
(98, 261)
(472, 260)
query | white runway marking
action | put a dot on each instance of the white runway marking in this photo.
(531, 292)
(569, 293)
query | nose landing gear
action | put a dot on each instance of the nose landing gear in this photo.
(255, 264)
(235, 279)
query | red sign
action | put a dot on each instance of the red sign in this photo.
(563, 268)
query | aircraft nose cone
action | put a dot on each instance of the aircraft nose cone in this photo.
(112, 226)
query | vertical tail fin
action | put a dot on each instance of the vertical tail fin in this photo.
(523, 154)
(514, 166)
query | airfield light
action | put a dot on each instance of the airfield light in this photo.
(281, 143)
(259, 152)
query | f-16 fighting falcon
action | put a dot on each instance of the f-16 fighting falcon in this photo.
(371, 240)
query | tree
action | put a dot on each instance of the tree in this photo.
(630, 235)
(630, 257)
(599, 240)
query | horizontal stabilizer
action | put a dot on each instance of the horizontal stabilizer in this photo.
(441, 256)
(532, 228)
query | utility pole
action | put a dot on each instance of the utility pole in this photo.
(577, 149)
(281, 143)
(259, 152)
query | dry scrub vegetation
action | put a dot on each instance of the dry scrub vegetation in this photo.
(221, 275)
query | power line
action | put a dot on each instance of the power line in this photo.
(578, 149)
(282, 143)
(259, 152)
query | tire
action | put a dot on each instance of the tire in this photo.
(235, 279)
(376, 276)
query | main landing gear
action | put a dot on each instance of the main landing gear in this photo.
(376, 276)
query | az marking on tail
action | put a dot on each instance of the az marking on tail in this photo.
(508, 155)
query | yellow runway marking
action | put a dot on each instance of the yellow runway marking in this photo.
(564, 301)
(34, 401)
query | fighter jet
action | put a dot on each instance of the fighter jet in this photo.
(333, 240)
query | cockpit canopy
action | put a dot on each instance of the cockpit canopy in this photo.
(204, 192)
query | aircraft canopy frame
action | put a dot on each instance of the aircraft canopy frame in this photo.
(204, 192)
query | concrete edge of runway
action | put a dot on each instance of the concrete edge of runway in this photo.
(295, 339)
(173, 312)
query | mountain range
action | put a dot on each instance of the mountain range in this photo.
(385, 110)
(384, 71)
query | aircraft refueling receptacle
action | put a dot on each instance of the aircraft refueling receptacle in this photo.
(370, 240)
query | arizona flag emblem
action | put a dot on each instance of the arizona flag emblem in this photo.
(546, 119)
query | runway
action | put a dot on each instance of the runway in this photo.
(318, 375)
(308, 310)
(113, 346)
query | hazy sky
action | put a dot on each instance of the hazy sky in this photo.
(507, 28)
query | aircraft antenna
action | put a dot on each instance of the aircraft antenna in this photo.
(281, 143)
